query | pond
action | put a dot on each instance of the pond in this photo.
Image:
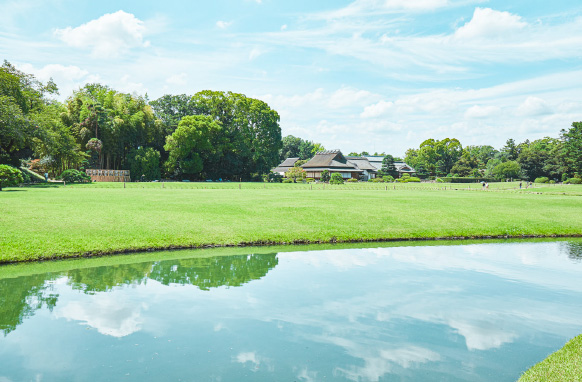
(414, 312)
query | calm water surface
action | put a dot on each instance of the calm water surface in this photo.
(480, 312)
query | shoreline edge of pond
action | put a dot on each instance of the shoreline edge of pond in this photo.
(265, 243)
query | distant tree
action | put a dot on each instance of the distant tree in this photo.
(336, 178)
(300, 162)
(290, 147)
(364, 153)
(317, 147)
(505, 170)
(388, 167)
(295, 173)
(510, 150)
(306, 150)
(572, 139)
(325, 176)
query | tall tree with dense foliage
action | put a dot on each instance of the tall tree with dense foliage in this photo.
(572, 139)
(22, 99)
(188, 145)
(251, 131)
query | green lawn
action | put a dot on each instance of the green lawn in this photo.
(565, 365)
(57, 221)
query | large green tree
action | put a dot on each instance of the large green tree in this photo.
(572, 139)
(189, 144)
(251, 132)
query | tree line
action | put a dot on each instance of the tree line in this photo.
(546, 159)
(208, 135)
(216, 135)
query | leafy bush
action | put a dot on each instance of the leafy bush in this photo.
(9, 176)
(273, 177)
(287, 180)
(146, 162)
(552, 181)
(542, 179)
(388, 178)
(352, 180)
(325, 176)
(413, 179)
(574, 181)
(309, 180)
(439, 180)
(336, 178)
(75, 176)
(377, 180)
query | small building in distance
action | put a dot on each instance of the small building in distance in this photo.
(285, 166)
(332, 161)
(108, 175)
(401, 167)
(369, 170)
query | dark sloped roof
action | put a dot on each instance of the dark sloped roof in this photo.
(362, 163)
(285, 165)
(331, 158)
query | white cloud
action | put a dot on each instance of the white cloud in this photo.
(377, 109)
(223, 24)
(255, 52)
(534, 106)
(108, 36)
(106, 313)
(482, 111)
(283, 27)
(369, 7)
(482, 335)
(489, 23)
(177, 79)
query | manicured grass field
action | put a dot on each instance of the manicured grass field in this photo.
(46, 222)
(565, 365)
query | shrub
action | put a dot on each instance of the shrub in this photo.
(413, 179)
(336, 178)
(541, 179)
(309, 180)
(75, 176)
(388, 178)
(552, 181)
(9, 176)
(352, 180)
(273, 177)
(377, 180)
(574, 181)
(287, 180)
(439, 180)
(325, 176)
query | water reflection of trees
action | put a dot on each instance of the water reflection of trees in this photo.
(574, 250)
(213, 272)
(21, 297)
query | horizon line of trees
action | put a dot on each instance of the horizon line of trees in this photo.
(217, 135)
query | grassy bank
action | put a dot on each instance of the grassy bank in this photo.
(44, 222)
(565, 365)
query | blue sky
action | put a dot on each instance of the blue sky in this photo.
(375, 75)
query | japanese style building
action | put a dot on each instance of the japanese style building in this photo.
(334, 162)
